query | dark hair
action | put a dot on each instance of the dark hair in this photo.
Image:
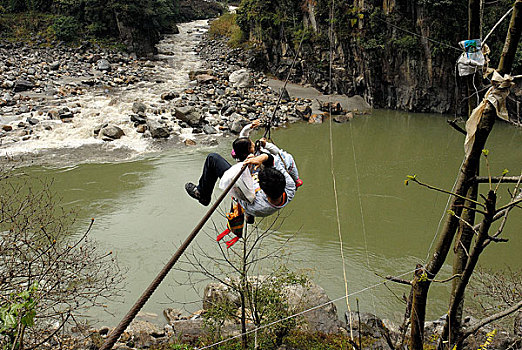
(272, 182)
(241, 148)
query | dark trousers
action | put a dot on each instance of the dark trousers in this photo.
(214, 168)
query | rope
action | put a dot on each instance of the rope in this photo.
(127, 319)
(443, 214)
(302, 312)
(272, 118)
(362, 212)
(496, 25)
(418, 35)
(338, 217)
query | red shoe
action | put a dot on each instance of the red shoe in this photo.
(298, 183)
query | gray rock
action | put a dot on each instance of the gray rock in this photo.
(371, 327)
(285, 96)
(344, 118)
(7, 97)
(188, 115)
(8, 84)
(216, 293)
(240, 78)
(299, 298)
(236, 126)
(167, 96)
(32, 120)
(138, 119)
(157, 130)
(103, 65)
(139, 107)
(205, 78)
(55, 65)
(209, 130)
(110, 133)
(23, 85)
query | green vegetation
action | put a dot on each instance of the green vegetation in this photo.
(16, 314)
(137, 21)
(226, 26)
(49, 274)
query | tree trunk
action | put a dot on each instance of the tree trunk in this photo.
(468, 171)
(513, 36)
(468, 271)
(462, 247)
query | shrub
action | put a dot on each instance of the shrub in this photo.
(226, 26)
(49, 276)
(65, 28)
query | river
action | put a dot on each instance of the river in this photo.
(135, 192)
(143, 213)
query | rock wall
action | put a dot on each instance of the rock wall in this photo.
(391, 67)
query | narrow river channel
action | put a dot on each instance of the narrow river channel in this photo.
(143, 213)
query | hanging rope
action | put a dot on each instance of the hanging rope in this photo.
(496, 25)
(334, 183)
(418, 35)
(271, 120)
(127, 319)
(362, 211)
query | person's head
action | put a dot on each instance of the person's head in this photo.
(242, 146)
(272, 182)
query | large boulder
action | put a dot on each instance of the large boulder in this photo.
(240, 78)
(110, 133)
(158, 130)
(371, 328)
(23, 85)
(205, 78)
(299, 297)
(303, 297)
(139, 107)
(188, 115)
(103, 65)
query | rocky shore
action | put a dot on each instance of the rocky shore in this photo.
(42, 89)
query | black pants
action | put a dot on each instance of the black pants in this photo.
(214, 168)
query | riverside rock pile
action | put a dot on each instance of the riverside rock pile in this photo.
(40, 84)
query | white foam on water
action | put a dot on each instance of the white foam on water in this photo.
(177, 58)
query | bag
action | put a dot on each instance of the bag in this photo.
(235, 223)
(236, 218)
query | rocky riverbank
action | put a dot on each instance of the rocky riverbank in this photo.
(50, 94)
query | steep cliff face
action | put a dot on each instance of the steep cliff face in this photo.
(380, 49)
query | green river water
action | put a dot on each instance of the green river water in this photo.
(143, 213)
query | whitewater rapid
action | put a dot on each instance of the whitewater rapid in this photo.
(168, 73)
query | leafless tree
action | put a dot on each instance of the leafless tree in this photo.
(40, 246)
(250, 270)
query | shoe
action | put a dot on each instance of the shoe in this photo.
(298, 183)
(192, 190)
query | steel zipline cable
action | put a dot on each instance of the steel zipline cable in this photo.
(127, 319)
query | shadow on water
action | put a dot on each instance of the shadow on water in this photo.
(143, 213)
